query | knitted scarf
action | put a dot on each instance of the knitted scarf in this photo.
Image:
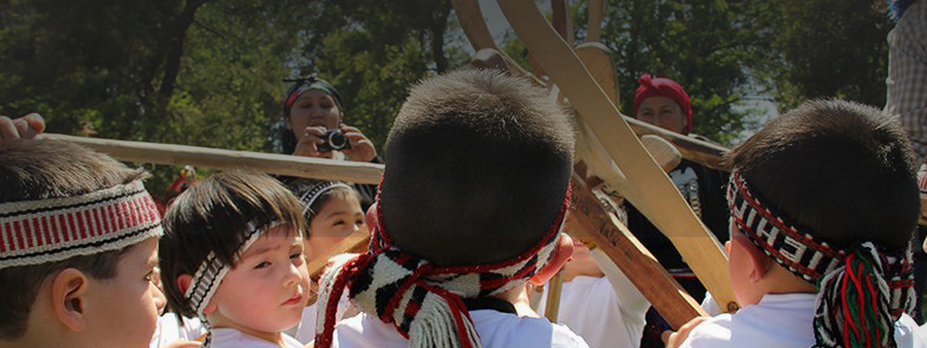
(862, 290)
(422, 301)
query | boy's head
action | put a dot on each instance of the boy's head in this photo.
(470, 206)
(246, 230)
(826, 185)
(332, 210)
(79, 239)
(479, 163)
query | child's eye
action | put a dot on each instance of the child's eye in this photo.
(339, 222)
(262, 264)
(359, 222)
(149, 276)
(296, 255)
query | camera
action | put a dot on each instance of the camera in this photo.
(334, 139)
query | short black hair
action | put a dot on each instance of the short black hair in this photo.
(34, 170)
(841, 169)
(215, 215)
(478, 167)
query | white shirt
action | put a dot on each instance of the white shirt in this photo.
(496, 330)
(170, 330)
(590, 307)
(305, 331)
(231, 338)
(780, 321)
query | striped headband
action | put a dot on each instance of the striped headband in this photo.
(212, 270)
(55, 229)
(862, 290)
(316, 191)
(423, 302)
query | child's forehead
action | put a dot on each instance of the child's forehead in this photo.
(278, 237)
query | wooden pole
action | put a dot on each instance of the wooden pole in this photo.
(653, 194)
(278, 164)
(589, 221)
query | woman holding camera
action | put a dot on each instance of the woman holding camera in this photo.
(313, 114)
(314, 118)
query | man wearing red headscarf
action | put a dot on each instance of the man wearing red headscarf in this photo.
(662, 102)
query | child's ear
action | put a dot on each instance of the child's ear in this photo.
(758, 261)
(183, 282)
(68, 291)
(561, 255)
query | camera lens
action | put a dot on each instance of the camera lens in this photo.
(337, 140)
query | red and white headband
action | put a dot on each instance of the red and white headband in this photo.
(50, 230)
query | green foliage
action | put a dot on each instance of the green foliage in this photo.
(829, 48)
(209, 73)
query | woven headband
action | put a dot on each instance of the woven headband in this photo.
(50, 230)
(862, 290)
(423, 302)
(212, 270)
(313, 194)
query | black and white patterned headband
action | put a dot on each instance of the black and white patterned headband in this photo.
(212, 270)
(316, 191)
(862, 290)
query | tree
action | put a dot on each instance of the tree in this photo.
(829, 48)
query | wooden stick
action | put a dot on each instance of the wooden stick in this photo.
(352, 244)
(596, 15)
(473, 24)
(653, 194)
(595, 57)
(279, 164)
(591, 222)
(554, 288)
(563, 19)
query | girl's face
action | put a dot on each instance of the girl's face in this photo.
(313, 108)
(335, 220)
(266, 292)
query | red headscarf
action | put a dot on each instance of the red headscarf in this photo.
(664, 87)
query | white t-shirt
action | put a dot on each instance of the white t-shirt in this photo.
(590, 307)
(496, 330)
(232, 338)
(779, 321)
(170, 330)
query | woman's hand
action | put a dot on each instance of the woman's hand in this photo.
(308, 143)
(362, 149)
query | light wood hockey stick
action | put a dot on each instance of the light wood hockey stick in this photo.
(652, 191)
(279, 164)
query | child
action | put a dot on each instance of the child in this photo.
(78, 244)
(232, 254)
(823, 203)
(604, 312)
(469, 209)
(333, 211)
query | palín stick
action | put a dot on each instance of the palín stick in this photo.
(352, 244)
(589, 221)
(278, 164)
(652, 191)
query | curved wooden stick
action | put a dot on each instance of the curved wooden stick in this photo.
(279, 164)
(654, 194)
(473, 24)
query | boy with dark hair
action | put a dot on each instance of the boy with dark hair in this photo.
(823, 202)
(470, 208)
(78, 241)
(232, 255)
